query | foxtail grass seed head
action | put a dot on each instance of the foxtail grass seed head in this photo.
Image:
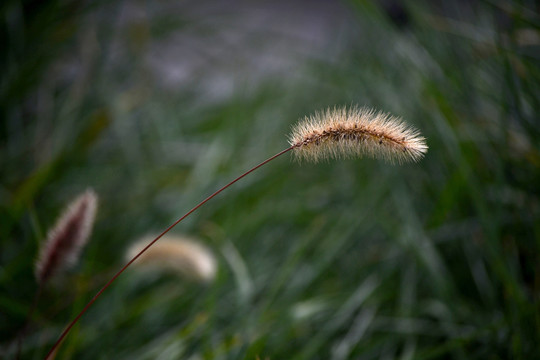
(183, 256)
(67, 238)
(350, 132)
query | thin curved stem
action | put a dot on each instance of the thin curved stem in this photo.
(74, 321)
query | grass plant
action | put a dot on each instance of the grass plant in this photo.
(154, 104)
(330, 134)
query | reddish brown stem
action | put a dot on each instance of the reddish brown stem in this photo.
(74, 321)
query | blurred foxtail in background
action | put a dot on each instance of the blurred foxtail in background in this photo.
(67, 238)
(178, 254)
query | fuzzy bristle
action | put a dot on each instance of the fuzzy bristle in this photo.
(350, 132)
(66, 240)
(181, 255)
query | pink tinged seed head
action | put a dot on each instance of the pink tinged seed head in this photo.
(67, 238)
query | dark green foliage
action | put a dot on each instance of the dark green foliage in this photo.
(339, 260)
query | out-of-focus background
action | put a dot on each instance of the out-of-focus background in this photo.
(156, 104)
